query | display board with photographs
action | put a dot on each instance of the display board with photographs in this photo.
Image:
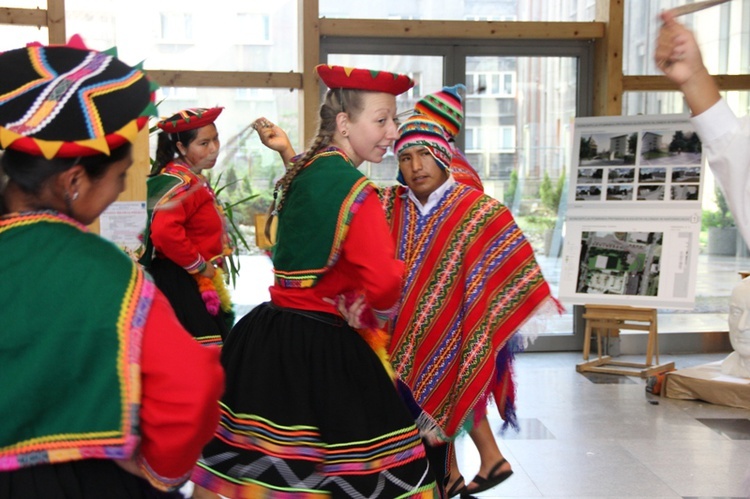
(634, 212)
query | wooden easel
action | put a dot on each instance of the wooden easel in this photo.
(611, 319)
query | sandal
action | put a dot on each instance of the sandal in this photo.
(456, 488)
(493, 480)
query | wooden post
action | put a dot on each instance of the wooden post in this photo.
(309, 55)
(56, 22)
(608, 59)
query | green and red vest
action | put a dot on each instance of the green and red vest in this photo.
(317, 211)
(73, 308)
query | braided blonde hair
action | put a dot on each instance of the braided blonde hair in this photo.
(336, 101)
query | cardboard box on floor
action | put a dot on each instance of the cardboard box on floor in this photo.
(706, 382)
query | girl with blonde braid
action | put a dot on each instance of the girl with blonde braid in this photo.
(309, 408)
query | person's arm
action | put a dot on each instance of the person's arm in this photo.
(371, 249)
(678, 56)
(169, 236)
(181, 385)
(275, 138)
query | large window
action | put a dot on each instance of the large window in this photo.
(242, 154)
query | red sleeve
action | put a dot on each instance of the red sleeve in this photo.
(169, 235)
(369, 247)
(181, 385)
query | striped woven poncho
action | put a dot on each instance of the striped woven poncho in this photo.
(471, 281)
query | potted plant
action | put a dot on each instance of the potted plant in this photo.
(551, 195)
(722, 233)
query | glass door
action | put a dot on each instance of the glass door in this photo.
(519, 115)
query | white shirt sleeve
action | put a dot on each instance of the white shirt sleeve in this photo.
(727, 142)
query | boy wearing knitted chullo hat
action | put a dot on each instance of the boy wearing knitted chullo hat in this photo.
(445, 107)
(471, 283)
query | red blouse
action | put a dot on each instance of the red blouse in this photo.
(189, 228)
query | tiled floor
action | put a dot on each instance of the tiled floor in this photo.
(604, 436)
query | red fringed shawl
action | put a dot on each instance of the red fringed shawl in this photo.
(463, 172)
(471, 281)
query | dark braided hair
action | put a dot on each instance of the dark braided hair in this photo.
(336, 101)
(166, 146)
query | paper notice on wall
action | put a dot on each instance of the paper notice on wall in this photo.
(123, 223)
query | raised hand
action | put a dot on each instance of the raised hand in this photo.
(677, 53)
(275, 138)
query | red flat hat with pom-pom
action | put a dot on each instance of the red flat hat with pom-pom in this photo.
(190, 119)
(364, 79)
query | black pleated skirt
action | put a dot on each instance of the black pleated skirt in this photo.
(181, 289)
(86, 479)
(309, 409)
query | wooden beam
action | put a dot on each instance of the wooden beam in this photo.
(56, 22)
(496, 30)
(23, 17)
(135, 187)
(309, 57)
(230, 79)
(662, 84)
(608, 59)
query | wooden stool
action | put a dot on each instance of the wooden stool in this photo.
(606, 319)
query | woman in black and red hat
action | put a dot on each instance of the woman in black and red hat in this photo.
(311, 407)
(104, 392)
(186, 238)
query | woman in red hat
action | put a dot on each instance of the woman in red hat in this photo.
(310, 407)
(104, 392)
(186, 238)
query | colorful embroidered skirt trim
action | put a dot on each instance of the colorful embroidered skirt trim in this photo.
(331, 422)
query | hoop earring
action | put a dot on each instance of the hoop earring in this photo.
(344, 133)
